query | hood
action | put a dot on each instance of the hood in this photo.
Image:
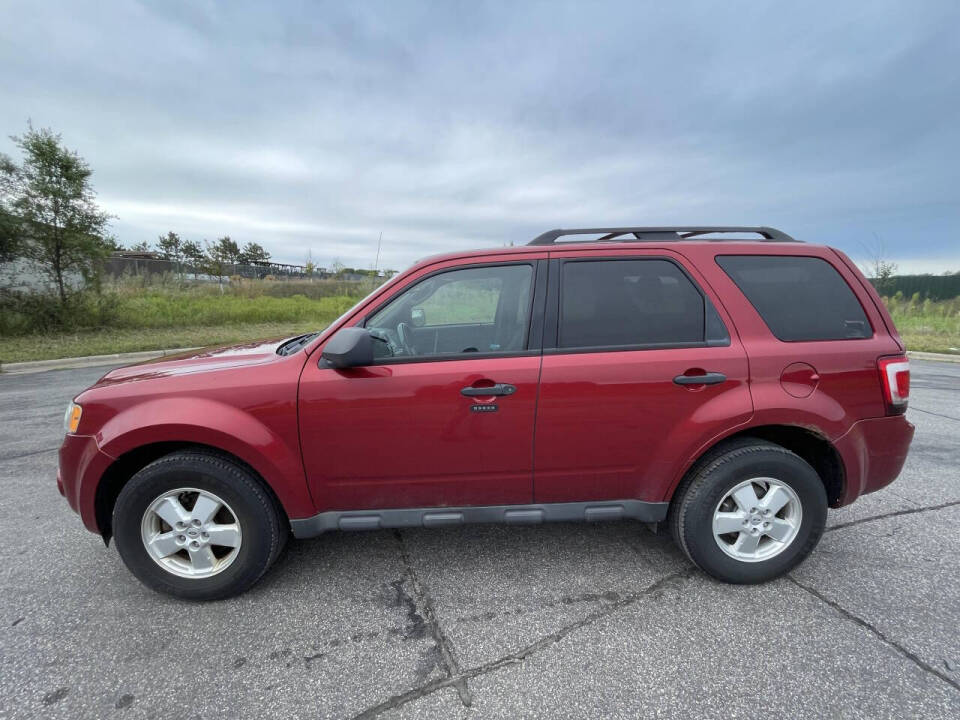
(195, 361)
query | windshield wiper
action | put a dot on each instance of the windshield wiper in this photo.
(293, 344)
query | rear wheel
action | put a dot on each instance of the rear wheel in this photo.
(749, 512)
(198, 526)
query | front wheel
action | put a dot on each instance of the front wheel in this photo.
(198, 526)
(749, 512)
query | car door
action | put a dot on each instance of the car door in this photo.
(640, 368)
(445, 415)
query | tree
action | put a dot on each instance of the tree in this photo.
(192, 251)
(141, 247)
(53, 210)
(9, 227)
(883, 271)
(9, 237)
(112, 244)
(219, 254)
(227, 249)
(171, 246)
(253, 253)
(193, 254)
(878, 268)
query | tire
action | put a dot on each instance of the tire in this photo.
(740, 467)
(247, 529)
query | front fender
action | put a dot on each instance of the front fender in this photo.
(275, 456)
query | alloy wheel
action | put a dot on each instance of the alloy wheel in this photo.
(757, 519)
(191, 533)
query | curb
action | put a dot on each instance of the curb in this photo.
(939, 357)
(35, 366)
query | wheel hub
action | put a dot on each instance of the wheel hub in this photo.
(757, 519)
(191, 533)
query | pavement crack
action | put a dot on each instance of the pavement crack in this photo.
(931, 412)
(896, 513)
(593, 617)
(904, 498)
(608, 596)
(879, 634)
(519, 656)
(422, 599)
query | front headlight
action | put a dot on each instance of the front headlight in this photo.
(71, 419)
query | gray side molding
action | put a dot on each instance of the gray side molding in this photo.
(647, 512)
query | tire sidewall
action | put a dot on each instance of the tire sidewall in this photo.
(724, 476)
(218, 477)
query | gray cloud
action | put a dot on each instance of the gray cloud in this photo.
(309, 126)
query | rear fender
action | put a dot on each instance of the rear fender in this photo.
(812, 423)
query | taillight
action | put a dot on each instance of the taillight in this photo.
(895, 378)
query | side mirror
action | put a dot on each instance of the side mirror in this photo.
(418, 318)
(350, 347)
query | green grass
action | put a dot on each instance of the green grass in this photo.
(103, 342)
(927, 325)
(167, 310)
(130, 316)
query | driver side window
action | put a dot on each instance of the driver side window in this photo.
(472, 310)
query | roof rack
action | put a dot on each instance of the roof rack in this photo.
(663, 234)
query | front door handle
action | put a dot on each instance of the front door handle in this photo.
(710, 378)
(498, 389)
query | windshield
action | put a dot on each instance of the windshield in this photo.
(335, 323)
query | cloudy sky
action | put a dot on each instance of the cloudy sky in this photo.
(312, 127)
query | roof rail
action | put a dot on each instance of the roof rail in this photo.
(663, 234)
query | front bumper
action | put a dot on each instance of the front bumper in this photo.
(873, 453)
(82, 464)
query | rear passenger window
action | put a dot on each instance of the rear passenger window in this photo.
(799, 298)
(610, 303)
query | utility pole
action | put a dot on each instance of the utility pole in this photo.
(376, 265)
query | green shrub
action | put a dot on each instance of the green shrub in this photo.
(24, 313)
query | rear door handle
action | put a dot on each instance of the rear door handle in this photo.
(498, 389)
(710, 378)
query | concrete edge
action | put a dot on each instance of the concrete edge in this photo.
(35, 366)
(939, 357)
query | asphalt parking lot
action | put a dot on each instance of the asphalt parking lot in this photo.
(599, 621)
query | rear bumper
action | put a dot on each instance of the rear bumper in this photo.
(873, 453)
(82, 464)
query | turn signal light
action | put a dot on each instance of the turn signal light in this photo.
(71, 420)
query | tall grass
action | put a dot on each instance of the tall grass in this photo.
(926, 324)
(133, 304)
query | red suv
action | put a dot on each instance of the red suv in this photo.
(731, 382)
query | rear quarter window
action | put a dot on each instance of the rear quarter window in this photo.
(799, 298)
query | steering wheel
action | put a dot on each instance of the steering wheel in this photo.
(405, 333)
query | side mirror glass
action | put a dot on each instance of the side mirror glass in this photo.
(418, 318)
(350, 347)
